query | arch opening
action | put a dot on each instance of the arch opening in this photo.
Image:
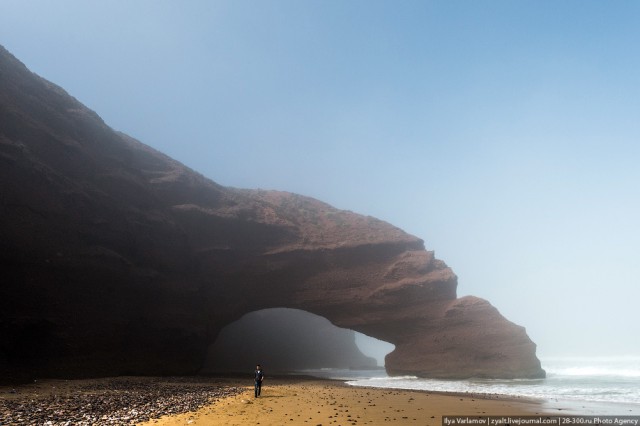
(291, 340)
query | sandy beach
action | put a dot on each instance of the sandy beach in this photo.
(285, 400)
(293, 400)
(302, 401)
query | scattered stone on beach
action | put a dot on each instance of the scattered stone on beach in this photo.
(118, 401)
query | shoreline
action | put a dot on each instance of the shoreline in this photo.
(555, 406)
(550, 406)
(317, 401)
(286, 399)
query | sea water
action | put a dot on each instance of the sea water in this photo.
(601, 385)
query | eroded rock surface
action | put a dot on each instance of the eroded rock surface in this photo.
(117, 259)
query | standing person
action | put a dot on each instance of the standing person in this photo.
(259, 377)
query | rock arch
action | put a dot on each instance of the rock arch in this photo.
(394, 291)
(117, 259)
(285, 340)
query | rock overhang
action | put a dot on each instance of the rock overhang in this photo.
(120, 259)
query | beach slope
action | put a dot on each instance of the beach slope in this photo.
(328, 402)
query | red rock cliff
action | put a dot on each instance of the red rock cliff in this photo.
(119, 260)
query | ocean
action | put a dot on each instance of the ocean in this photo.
(574, 385)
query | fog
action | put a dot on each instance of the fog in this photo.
(285, 339)
(505, 134)
(373, 347)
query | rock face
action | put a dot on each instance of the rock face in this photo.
(116, 259)
(285, 340)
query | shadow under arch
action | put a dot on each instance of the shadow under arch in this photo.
(288, 340)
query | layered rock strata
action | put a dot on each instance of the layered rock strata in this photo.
(117, 259)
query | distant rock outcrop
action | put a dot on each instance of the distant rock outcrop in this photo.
(116, 259)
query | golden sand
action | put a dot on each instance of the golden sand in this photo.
(327, 402)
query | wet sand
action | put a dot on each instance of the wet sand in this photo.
(302, 401)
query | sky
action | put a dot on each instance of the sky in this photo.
(505, 134)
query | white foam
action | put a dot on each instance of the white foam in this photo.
(596, 379)
(594, 371)
(597, 367)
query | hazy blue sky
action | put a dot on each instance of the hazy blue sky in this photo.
(506, 134)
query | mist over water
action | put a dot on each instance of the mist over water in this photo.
(604, 385)
(621, 367)
(373, 347)
(608, 381)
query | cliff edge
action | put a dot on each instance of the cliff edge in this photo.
(117, 259)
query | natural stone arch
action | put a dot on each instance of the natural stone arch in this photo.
(117, 259)
(396, 292)
(286, 340)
